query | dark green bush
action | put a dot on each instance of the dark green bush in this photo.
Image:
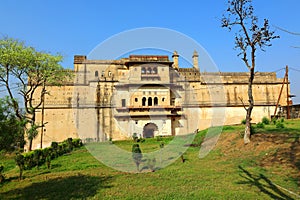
(265, 120)
(2, 178)
(21, 164)
(243, 121)
(260, 125)
(40, 156)
(77, 143)
(279, 124)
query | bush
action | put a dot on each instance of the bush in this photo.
(77, 143)
(2, 178)
(159, 138)
(21, 164)
(135, 137)
(162, 145)
(279, 124)
(40, 156)
(243, 121)
(274, 120)
(265, 120)
(260, 125)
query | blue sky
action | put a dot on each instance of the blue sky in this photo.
(76, 27)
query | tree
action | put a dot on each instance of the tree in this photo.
(11, 132)
(250, 36)
(31, 71)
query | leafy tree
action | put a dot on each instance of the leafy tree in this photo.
(32, 71)
(249, 37)
(11, 132)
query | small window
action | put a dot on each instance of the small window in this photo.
(148, 70)
(155, 101)
(96, 74)
(143, 70)
(149, 101)
(136, 99)
(163, 99)
(109, 73)
(144, 101)
(123, 102)
(102, 74)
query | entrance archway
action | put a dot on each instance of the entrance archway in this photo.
(149, 130)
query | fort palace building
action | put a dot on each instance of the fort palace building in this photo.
(150, 95)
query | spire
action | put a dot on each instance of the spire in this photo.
(195, 60)
(175, 60)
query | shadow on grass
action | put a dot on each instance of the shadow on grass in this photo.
(73, 187)
(263, 183)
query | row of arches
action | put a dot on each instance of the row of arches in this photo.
(150, 101)
(149, 70)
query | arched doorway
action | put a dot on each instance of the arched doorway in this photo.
(149, 130)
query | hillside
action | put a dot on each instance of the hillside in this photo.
(267, 168)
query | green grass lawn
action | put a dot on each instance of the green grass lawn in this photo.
(230, 171)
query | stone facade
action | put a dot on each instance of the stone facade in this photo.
(150, 95)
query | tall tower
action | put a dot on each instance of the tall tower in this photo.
(175, 60)
(195, 60)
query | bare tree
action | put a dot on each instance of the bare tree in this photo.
(248, 38)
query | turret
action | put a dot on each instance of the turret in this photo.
(195, 60)
(175, 60)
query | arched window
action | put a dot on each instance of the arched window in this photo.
(96, 74)
(154, 70)
(143, 70)
(109, 73)
(149, 101)
(155, 101)
(148, 70)
(144, 101)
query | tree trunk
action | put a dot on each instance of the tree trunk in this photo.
(30, 145)
(247, 134)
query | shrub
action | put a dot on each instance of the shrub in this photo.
(265, 120)
(135, 137)
(260, 125)
(162, 145)
(21, 164)
(279, 124)
(243, 121)
(77, 143)
(274, 120)
(36, 157)
(159, 138)
(2, 178)
(282, 120)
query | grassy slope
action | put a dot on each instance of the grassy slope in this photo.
(230, 171)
